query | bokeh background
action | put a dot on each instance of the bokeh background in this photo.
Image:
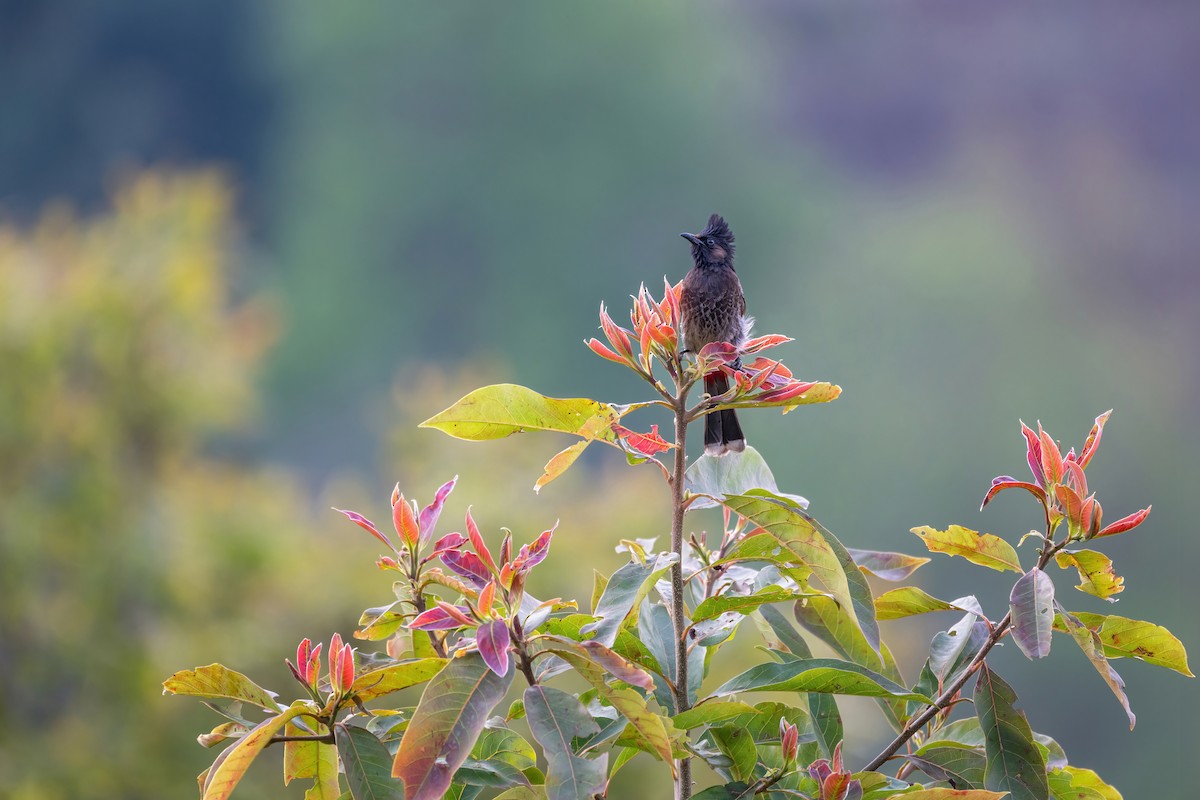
(246, 247)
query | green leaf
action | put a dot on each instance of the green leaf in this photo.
(908, 601)
(736, 743)
(395, 677)
(714, 607)
(229, 768)
(367, 763)
(816, 548)
(217, 680)
(823, 675)
(978, 548)
(651, 729)
(315, 760)
(961, 766)
(658, 634)
(1131, 638)
(445, 725)
(1095, 572)
(494, 412)
(1073, 783)
(709, 712)
(713, 477)
(888, 566)
(953, 794)
(498, 760)
(556, 718)
(625, 589)
(1093, 647)
(1014, 762)
(524, 793)
(1031, 603)
(626, 645)
(822, 707)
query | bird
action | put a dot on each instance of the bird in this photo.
(712, 308)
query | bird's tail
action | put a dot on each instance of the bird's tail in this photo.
(722, 432)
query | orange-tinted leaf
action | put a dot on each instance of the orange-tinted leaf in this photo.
(405, 521)
(615, 334)
(1052, 465)
(599, 349)
(1093, 439)
(560, 463)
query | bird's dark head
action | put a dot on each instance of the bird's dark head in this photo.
(714, 245)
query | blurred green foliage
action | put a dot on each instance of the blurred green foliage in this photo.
(127, 544)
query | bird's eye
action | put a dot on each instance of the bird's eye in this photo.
(710, 242)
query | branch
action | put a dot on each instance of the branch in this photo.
(947, 697)
(683, 785)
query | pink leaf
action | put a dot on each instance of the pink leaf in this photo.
(434, 619)
(492, 641)
(1033, 453)
(1052, 463)
(533, 553)
(467, 565)
(366, 525)
(431, 512)
(615, 334)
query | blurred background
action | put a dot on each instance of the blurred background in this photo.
(246, 247)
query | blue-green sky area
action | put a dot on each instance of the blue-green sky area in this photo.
(965, 214)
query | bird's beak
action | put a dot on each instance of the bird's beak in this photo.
(691, 237)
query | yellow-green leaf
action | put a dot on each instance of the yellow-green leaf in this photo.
(908, 601)
(395, 677)
(560, 463)
(229, 769)
(1095, 572)
(217, 680)
(1132, 638)
(983, 549)
(503, 409)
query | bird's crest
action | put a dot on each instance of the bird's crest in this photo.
(718, 229)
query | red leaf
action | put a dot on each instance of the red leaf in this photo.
(477, 542)
(602, 351)
(431, 512)
(1126, 523)
(1005, 482)
(366, 525)
(719, 353)
(648, 444)
(345, 677)
(451, 541)
(486, 598)
(1033, 453)
(492, 641)
(794, 389)
(313, 668)
(1093, 439)
(1076, 478)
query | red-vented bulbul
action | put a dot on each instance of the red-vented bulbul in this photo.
(713, 309)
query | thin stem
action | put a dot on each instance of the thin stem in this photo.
(683, 782)
(517, 636)
(946, 698)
